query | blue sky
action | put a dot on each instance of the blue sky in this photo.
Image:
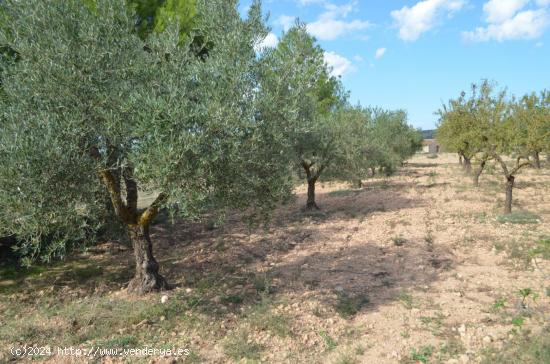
(414, 55)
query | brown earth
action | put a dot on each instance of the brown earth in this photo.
(416, 267)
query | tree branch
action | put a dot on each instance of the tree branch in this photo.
(131, 188)
(508, 173)
(149, 214)
(112, 162)
(114, 192)
(502, 164)
(520, 166)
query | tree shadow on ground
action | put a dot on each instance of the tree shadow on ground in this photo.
(233, 268)
(234, 264)
(381, 273)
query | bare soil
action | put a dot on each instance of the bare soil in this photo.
(417, 267)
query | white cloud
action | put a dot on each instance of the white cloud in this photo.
(511, 20)
(339, 65)
(270, 41)
(529, 24)
(358, 58)
(331, 24)
(423, 16)
(333, 11)
(498, 11)
(380, 53)
(286, 21)
(331, 29)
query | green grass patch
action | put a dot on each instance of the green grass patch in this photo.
(433, 323)
(347, 306)
(94, 319)
(518, 321)
(262, 318)
(15, 273)
(542, 249)
(406, 299)
(239, 347)
(421, 355)
(524, 349)
(233, 299)
(330, 343)
(480, 217)
(498, 306)
(26, 331)
(519, 217)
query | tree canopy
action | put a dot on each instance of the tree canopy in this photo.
(87, 108)
(492, 125)
(296, 74)
(330, 138)
(116, 99)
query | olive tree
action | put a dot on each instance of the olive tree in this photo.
(299, 78)
(91, 107)
(392, 139)
(331, 139)
(354, 157)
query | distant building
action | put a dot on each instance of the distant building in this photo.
(430, 144)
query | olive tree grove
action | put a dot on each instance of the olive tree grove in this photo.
(90, 106)
(103, 101)
(298, 76)
(331, 139)
(392, 139)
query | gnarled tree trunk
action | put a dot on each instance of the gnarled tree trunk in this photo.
(311, 204)
(460, 160)
(510, 175)
(147, 278)
(312, 175)
(509, 190)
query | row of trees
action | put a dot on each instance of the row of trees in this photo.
(173, 97)
(488, 125)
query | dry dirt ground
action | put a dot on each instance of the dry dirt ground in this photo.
(414, 268)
